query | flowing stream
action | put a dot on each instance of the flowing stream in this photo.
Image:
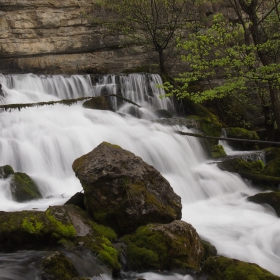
(44, 141)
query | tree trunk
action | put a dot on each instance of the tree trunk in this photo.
(162, 63)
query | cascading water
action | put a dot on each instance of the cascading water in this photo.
(43, 142)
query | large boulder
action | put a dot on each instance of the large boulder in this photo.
(175, 246)
(124, 192)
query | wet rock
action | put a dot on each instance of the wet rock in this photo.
(98, 103)
(218, 151)
(270, 198)
(209, 249)
(253, 170)
(6, 171)
(221, 268)
(78, 200)
(66, 226)
(58, 267)
(175, 246)
(122, 191)
(23, 188)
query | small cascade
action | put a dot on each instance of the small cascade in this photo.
(140, 88)
(246, 155)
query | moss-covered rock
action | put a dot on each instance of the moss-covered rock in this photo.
(23, 188)
(221, 268)
(122, 191)
(58, 267)
(241, 166)
(59, 226)
(24, 230)
(272, 168)
(6, 171)
(242, 133)
(98, 103)
(271, 154)
(218, 151)
(251, 170)
(175, 246)
(209, 249)
(270, 198)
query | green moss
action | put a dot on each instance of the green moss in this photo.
(150, 249)
(209, 249)
(241, 133)
(6, 171)
(31, 225)
(58, 267)
(65, 230)
(271, 154)
(241, 166)
(23, 188)
(111, 145)
(104, 231)
(272, 168)
(218, 151)
(222, 268)
(103, 248)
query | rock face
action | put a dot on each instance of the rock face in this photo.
(124, 192)
(174, 246)
(49, 36)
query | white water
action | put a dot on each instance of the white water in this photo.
(44, 142)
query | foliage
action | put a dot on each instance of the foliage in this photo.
(243, 55)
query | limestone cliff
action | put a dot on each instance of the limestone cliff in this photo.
(50, 36)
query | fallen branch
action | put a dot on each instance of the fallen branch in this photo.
(63, 101)
(227, 139)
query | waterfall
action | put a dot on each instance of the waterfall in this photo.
(43, 142)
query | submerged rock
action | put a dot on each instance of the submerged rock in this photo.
(175, 246)
(124, 192)
(98, 103)
(221, 268)
(270, 198)
(23, 188)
